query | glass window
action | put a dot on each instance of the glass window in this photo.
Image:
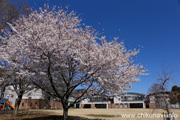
(36, 104)
(121, 105)
(117, 106)
(126, 105)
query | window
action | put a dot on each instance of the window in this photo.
(126, 105)
(87, 106)
(36, 104)
(98, 99)
(130, 98)
(22, 104)
(121, 105)
(117, 106)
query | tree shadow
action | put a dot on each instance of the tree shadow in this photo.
(56, 117)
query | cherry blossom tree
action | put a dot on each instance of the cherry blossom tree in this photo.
(15, 76)
(9, 12)
(61, 55)
(3, 77)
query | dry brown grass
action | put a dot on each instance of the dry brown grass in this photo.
(88, 114)
(115, 114)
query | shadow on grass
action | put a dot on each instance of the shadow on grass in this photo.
(56, 117)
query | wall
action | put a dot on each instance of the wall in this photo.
(39, 104)
(152, 105)
(33, 94)
(56, 105)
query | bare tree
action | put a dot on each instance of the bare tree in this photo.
(159, 89)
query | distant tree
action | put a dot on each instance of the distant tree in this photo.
(156, 91)
(175, 95)
(61, 55)
(175, 88)
(159, 89)
(155, 88)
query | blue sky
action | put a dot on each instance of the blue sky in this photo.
(152, 24)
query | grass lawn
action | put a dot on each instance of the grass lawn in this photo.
(89, 114)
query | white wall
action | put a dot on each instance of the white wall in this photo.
(33, 94)
(117, 99)
(86, 101)
(10, 94)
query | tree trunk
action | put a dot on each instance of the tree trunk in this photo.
(18, 102)
(65, 113)
(65, 110)
(167, 107)
(48, 101)
(3, 90)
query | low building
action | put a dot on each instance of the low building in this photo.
(127, 100)
(33, 99)
(96, 101)
(130, 100)
(160, 100)
(36, 99)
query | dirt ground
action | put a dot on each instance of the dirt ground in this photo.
(91, 114)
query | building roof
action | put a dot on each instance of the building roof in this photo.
(133, 93)
(156, 93)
